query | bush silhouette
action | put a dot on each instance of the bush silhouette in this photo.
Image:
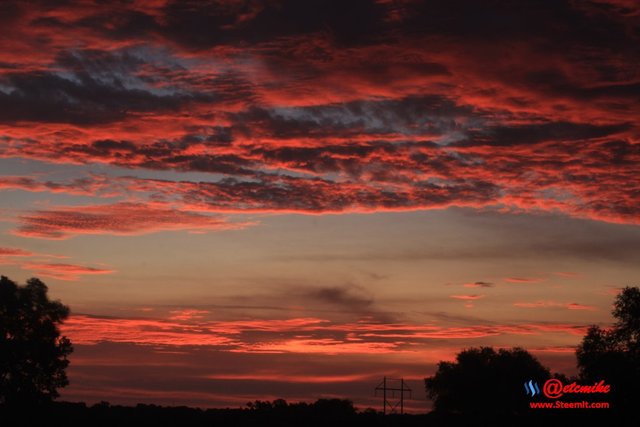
(485, 381)
(33, 356)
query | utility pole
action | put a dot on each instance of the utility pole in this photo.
(393, 385)
(402, 395)
(384, 396)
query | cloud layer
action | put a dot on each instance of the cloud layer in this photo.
(326, 108)
(291, 335)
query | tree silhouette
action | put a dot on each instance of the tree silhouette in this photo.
(33, 356)
(485, 381)
(613, 355)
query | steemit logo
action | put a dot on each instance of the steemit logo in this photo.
(531, 388)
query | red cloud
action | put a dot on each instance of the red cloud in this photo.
(290, 378)
(63, 271)
(8, 255)
(91, 330)
(5, 252)
(121, 219)
(295, 335)
(404, 119)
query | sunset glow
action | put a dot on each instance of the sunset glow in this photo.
(245, 200)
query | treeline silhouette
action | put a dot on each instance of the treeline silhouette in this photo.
(279, 413)
(488, 386)
(482, 387)
(323, 412)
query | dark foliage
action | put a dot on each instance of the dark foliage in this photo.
(485, 381)
(613, 355)
(33, 355)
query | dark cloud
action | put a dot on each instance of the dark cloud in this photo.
(528, 19)
(352, 298)
(99, 64)
(480, 284)
(413, 115)
(317, 195)
(199, 25)
(93, 185)
(165, 154)
(120, 23)
(536, 133)
(81, 99)
(91, 87)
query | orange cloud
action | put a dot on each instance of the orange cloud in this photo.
(327, 346)
(63, 271)
(467, 297)
(187, 314)
(553, 304)
(523, 280)
(92, 330)
(295, 335)
(576, 306)
(289, 378)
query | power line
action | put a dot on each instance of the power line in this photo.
(389, 387)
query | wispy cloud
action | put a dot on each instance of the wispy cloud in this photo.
(279, 377)
(554, 304)
(63, 271)
(120, 219)
(523, 280)
(467, 297)
(478, 284)
(11, 255)
(44, 264)
(14, 252)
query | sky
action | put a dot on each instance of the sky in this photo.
(244, 199)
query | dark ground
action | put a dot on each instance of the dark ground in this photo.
(321, 413)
